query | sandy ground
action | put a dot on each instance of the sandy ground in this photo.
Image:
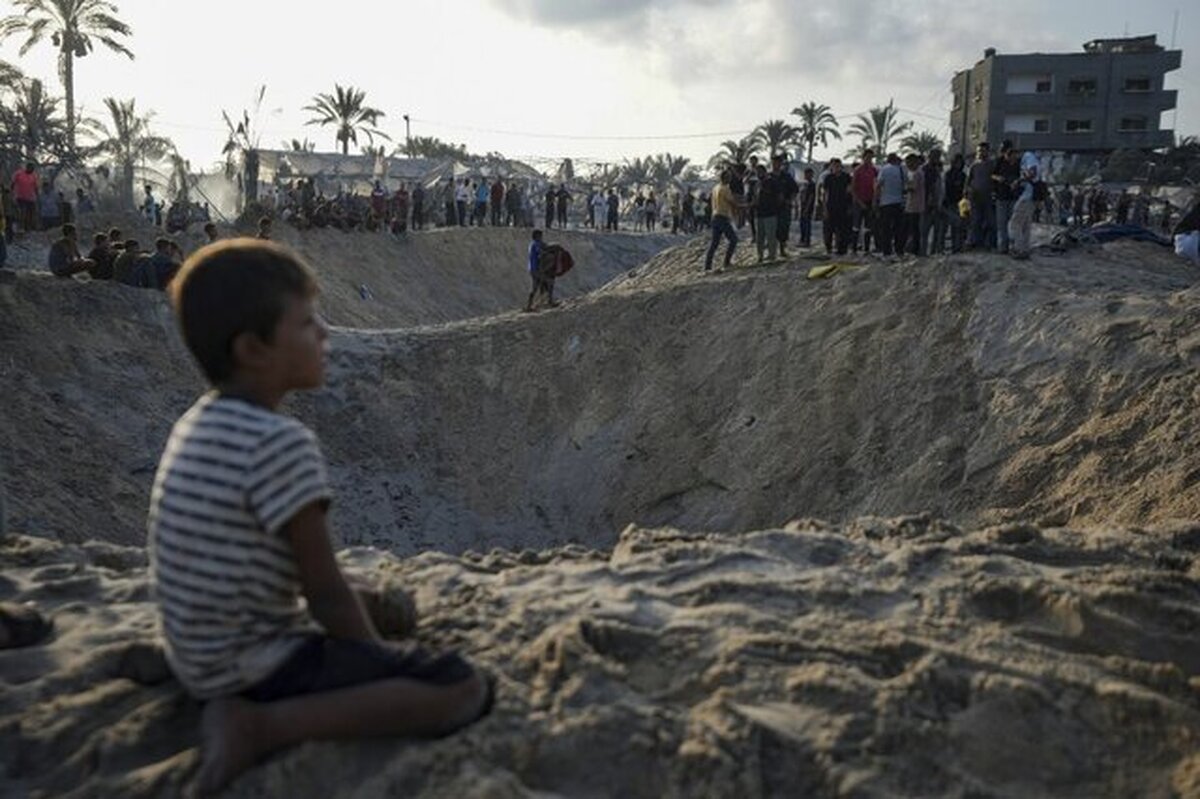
(1040, 641)
(438, 275)
(974, 388)
(900, 657)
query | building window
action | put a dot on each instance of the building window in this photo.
(1030, 84)
(1137, 84)
(1079, 126)
(1134, 124)
(1041, 126)
(1082, 86)
(1026, 123)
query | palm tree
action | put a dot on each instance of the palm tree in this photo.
(636, 172)
(300, 145)
(30, 122)
(817, 124)
(128, 142)
(243, 140)
(921, 143)
(347, 109)
(879, 126)
(432, 147)
(9, 75)
(72, 25)
(665, 167)
(736, 152)
(777, 135)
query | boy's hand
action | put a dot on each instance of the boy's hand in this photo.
(330, 600)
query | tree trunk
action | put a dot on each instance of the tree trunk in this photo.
(127, 185)
(251, 186)
(811, 141)
(68, 56)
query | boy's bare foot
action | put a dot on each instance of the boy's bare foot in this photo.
(229, 744)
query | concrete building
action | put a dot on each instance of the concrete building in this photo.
(1107, 97)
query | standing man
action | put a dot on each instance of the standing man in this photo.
(497, 201)
(835, 203)
(933, 221)
(725, 206)
(25, 193)
(614, 210)
(551, 198)
(766, 212)
(981, 194)
(863, 188)
(889, 195)
(1005, 175)
(787, 196)
(564, 201)
(914, 203)
(808, 203)
(417, 198)
(1021, 223)
(599, 210)
(954, 183)
(542, 282)
(462, 196)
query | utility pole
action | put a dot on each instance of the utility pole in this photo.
(407, 137)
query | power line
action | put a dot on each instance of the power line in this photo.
(580, 136)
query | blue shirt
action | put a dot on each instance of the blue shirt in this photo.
(535, 255)
(481, 193)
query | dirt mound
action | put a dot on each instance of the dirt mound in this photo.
(977, 389)
(375, 280)
(886, 658)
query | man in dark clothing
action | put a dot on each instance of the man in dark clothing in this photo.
(614, 207)
(64, 259)
(981, 188)
(125, 265)
(101, 257)
(835, 205)
(157, 271)
(564, 201)
(766, 212)
(808, 203)
(496, 201)
(955, 181)
(787, 197)
(1005, 175)
(418, 206)
(551, 198)
(542, 282)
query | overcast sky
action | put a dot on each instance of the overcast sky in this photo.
(579, 78)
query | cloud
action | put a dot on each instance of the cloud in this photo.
(893, 43)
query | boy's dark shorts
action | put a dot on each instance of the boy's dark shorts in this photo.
(323, 664)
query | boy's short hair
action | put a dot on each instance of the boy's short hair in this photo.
(68, 230)
(234, 287)
(100, 238)
(162, 244)
(537, 234)
(115, 233)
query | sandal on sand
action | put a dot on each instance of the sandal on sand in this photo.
(21, 625)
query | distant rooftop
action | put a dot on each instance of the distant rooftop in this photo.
(1129, 44)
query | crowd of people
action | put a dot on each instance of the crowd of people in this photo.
(122, 260)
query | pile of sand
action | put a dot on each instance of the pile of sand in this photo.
(1060, 390)
(896, 657)
(1027, 646)
(377, 280)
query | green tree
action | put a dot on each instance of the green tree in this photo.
(922, 143)
(31, 126)
(433, 147)
(736, 152)
(776, 135)
(665, 167)
(879, 126)
(817, 124)
(126, 138)
(73, 26)
(300, 145)
(347, 109)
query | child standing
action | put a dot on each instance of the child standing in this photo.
(237, 535)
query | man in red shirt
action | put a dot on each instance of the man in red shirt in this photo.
(25, 192)
(863, 191)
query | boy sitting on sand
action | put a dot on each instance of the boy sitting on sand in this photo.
(237, 534)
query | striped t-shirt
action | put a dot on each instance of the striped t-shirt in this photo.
(232, 475)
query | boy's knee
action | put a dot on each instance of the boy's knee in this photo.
(471, 700)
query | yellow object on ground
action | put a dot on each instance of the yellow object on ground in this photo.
(829, 270)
